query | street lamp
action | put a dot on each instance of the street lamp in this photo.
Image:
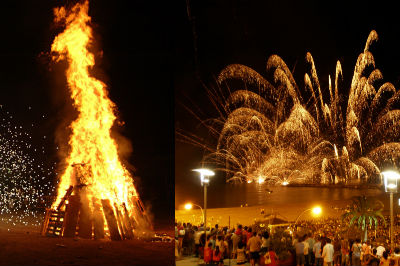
(317, 210)
(390, 181)
(189, 206)
(204, 178)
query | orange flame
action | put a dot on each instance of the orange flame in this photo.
(90, 143)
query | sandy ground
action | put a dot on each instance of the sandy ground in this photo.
(25, 246)
(248, 215)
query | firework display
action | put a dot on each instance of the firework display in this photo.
(270, 130)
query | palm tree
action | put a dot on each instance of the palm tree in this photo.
(365, 211)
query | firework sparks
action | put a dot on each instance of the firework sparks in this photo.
(26, 184)
(268, 129)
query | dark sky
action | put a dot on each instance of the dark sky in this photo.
(248, 32)
(136, 65)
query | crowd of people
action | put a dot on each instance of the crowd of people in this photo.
(308, 243)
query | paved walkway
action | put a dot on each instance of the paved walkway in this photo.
(193, 261)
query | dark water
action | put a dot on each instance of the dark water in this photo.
(256, 194)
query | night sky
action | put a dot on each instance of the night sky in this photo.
(136, 64)
(248, 32)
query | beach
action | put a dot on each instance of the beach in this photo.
(248, 215)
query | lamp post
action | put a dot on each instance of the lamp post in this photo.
(316, 210)
(390, 181)
(189, 206)
(204, 178)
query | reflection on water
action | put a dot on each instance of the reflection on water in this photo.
(256, 194)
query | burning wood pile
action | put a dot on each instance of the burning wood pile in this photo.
(98, 197)
(76, 217)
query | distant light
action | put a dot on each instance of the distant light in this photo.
(390, 181)
(249, 181)
(285, 183)
(317, 210)
(204, 174)
(188, 206)
(261, 180)
(204, 171)
(391, 175)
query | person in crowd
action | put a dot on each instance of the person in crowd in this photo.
(203, 242)
(272, 257)
(306, 259)
(208, 254)
(181, 235)
(196, 237)
(235, 241)
(188, 239)
(213, 241)
(356, 256)
(311, 242)
(366, 251)
(241, 254)
(222, 246)
(215, 230)
(208, 240)
(227, 240)
(395, 257)
(318, 252)
(217, 256)
(295, 239)
(249, 234)
(176, 248)
(337, 252)
(373, 259)
(265, 242)
(327, 253)
(299, 247)
(345, 252)
(385, 259)
(254, 246)
(379, 250)
(239, 232)
(244, 235)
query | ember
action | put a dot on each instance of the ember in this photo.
(96, 194)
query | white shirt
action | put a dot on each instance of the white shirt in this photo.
(317, 249)
(306, 246)
(197, 236)
(379, 251)
(327, 252)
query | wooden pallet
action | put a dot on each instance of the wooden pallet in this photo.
(73, 217)
(54, 223)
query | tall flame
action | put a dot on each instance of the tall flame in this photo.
(90, 142)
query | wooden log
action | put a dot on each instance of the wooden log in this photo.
(45, 223)
(66, 196)
(98, 220)
(85, 216)
(111, 220)
(71, 216)
(119, 221)
(127, 222)
(144, 217)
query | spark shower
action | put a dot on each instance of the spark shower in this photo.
(270, 130)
